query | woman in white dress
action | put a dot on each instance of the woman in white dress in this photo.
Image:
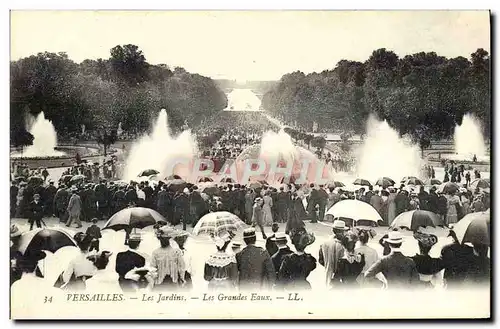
(267, 212)
(80, 268)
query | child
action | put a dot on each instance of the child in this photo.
(94, 232)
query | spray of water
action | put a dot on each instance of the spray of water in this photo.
(384, 153)
(161, 151)
(45, 138)
(469, 138)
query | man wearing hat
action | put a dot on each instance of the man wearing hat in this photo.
(283, 250)
(74, 208)
(399, 270)
(256, 270)
(332, 250)
(127, 261)
(94, 232)
(61, 200)
(36, 212)
(48, 198)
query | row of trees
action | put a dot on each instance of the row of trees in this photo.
(102, 93)
(423, 95)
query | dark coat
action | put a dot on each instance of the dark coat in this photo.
(36, 211)
(399, 270)
(278, 256)
(256, 270)
(128, 260)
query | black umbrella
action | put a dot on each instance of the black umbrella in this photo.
(77, 179)
(335, 184)
(414, 219)
(49, 239)
(172, 177)
(384, 182)
(66, 178)
(227, 180)
(448, 188)
(134, 217)
(205, 180)
(176, 185)
(148, 172)
(363, 182)
(479, 183)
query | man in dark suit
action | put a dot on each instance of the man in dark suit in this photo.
(127, 261)
(311, 204)
(48, 200)
(36, 212)
(256, 270)
(283, 250)
(163, 202)
(322, 201)
(14, 189)
(399, 270)
(119, 202)
(94, 232)
(282, 205)
(102, 197)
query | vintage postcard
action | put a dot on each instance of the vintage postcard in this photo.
(250, 165)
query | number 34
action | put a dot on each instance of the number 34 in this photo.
(47, 299)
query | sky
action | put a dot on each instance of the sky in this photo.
(246, 45)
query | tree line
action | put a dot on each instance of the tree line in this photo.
(99, 94)
(423, 95)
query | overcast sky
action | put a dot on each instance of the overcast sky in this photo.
(249, 45)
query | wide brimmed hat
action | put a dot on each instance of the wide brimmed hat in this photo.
(427, 240)
(394, 237)
(14, 231)
(236, 244)
(302, 238)
(339, 225)
(280, 237)
(249, 233)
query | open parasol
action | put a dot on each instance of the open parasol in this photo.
(217, 222)
(134, 217)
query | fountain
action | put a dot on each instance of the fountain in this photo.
(161, 151)
(45, 139)
(242, 100)
(469, 141)
(279, 153)
(384, 153)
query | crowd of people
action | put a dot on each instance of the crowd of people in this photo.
(347, 259)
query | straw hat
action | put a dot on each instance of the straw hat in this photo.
(339, 225)
(14, 231)
(394, 237)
